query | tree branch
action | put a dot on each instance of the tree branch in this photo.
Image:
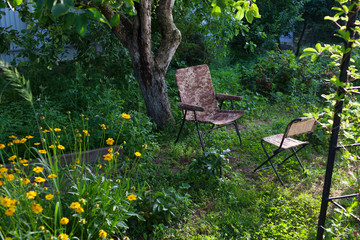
(123, 31)
(171, 35)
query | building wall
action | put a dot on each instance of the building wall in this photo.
(11, 18)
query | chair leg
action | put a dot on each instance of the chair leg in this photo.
(269, 158)
(200, 135)
(182, 125)
(237, 132)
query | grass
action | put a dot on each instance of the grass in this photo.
(177, 201)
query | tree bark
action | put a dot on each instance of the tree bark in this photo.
(149, 70)
(300, 39)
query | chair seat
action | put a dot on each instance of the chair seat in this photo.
(218, 117)
(288, 142)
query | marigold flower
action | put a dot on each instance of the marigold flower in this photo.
(63, 236)
(42, 228)
(10, 211)
(42, 151)
(26, 181)
(99, 166)
(2, 146)
(2, 183)
(16, 141)
(118, 180)
(108, 157)
(57, 129)
(39, 179)
(109, 141)
(64, 221)
(102, 234)
(82, 221)
(51, 176)
(8, 202)
(37, 144)
(103, 126)
(82, 201)
(12, 136)
(29, 137)
(31, 194)
(46, 131)
(23, 161)
(9, 177)
(131, 197)
(86, 132)
(51, 146)
(38, 169)
(79, 210)
(12, 158)
(126, 116)
(61, 147)
(138, 154)
(96, 205)
(23, 140)
(74, 205)
(126, 238)
(36, 208)
(8, 238)
(49, 197)
(110, 150)
(45, 188)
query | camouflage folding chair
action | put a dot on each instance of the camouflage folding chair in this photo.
(199, 101)
(299, 126)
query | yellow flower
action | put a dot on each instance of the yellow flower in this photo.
(80, 210)
(99, 166)
(102, 234)
(12, 136)
(52, 176)
(61, 147)
(8, 238)
(39, 179)
(31, 194)
(38, 169)
(126, 116)
(126, 238)
(110, 150)
(108, 157)
(103, 126)
(109, 141)
(23, 140)
(64, 221)
(131, 197)
(42, 228)
(2, 146)
(26, 181)
(36, 208)
(49, 197)
(2, 183)
(16, 141)
(51, 146)
(8, 202)
(82, 201)
(29, 137)
(86, 132)
(12, 158)
(137, 154)
(75, 205)
(23, 161)
(10, 211)
(37, 144)
(45, 188)
(118, 180)
(46, 131)
(82, 221)
(42, 118)
(9, 177)
(63, 236)
(57, 129)
(42, 151)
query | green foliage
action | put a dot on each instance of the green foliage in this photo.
(209, 164)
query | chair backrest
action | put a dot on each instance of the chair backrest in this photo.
(196, 88)
(300, 126)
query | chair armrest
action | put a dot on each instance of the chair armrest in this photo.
(222, 97)
(190, 107)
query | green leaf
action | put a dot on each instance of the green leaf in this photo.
(240, 14)
(61, 8)
(115, 20)
(15, 3)
(216, 11)
(249, 16)
(81, 24)
(310, 50)
(97, 15)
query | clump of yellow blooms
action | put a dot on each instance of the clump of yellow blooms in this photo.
(102, 234)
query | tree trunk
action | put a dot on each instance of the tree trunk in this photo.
(149, 68)
(300, 39)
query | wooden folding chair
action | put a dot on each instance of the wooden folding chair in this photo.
(296, 127)
(199, 101)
